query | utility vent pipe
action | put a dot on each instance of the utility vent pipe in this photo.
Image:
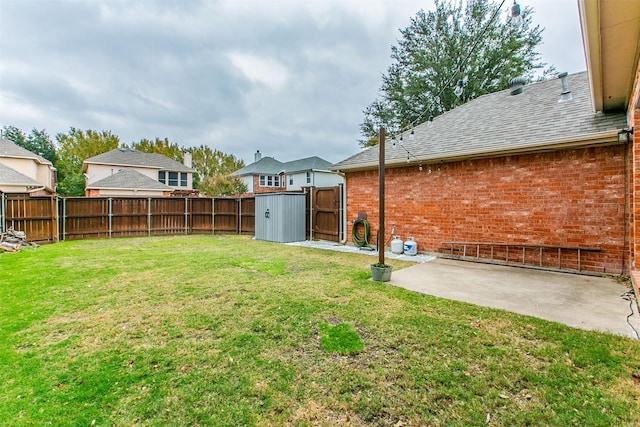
(566, 93)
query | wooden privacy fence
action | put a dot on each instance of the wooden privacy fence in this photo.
(52, 219)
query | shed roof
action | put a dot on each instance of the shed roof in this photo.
(129, 157)
(129, 179)
(9, 149)
(501, 123)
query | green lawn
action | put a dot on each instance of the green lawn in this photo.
(227, 331)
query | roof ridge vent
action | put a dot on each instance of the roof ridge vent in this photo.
(516, 85)
(566, 93)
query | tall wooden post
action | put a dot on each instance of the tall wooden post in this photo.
(381, 198)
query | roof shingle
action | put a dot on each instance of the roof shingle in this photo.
(128, 157)
(129, 179)
(9, 149)
(500, 122)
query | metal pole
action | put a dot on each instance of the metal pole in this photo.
(381, 198)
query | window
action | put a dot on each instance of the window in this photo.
(162, 176)
(173, 179)
(291, 180)
(183, 179)
(308, 177)
(271, 181)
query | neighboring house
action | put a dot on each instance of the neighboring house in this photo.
(267, 174)
(111, 174)
(23, 172)
(533, 166)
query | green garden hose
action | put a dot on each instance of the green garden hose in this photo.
(364, 240)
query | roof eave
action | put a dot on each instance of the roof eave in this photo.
(590, 28)
(601, 138)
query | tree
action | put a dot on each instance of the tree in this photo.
(439, 48)
(38, 141)
(222, 185)
(212, 163)
(160, 146)
(73, 149)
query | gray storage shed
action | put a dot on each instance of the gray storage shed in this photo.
(280, 217)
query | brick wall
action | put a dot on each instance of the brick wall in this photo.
(570, 198)
(257, 189)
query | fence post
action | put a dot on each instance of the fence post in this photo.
(58, 217)
(149, 216)
(239, 216)
(186, 215)
(53, 228)
(213, 215)
(3, 214)
(110, 215)
(64, 219)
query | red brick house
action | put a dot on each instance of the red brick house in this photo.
(541, 167)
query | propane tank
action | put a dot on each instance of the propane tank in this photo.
(410, 247)
(396, 245)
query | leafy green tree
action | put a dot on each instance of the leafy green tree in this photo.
(212, 163)
(38, 141)
(15, 135)
(160, 146)
(222, 185)
(73, 149)
(457, 41)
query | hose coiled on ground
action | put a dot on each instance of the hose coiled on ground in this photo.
(364, 240)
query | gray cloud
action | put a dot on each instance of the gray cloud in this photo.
(289, 78)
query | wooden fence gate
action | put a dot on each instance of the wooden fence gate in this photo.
(324, 213)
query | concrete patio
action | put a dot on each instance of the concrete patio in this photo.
(580, 301)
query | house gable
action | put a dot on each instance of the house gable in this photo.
(154, 166)
(26, 164)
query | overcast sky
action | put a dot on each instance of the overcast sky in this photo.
(287, 77)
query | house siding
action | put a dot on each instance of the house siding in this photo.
(565, 198)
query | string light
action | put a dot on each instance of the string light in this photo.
(458, 89)
(515, 13)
